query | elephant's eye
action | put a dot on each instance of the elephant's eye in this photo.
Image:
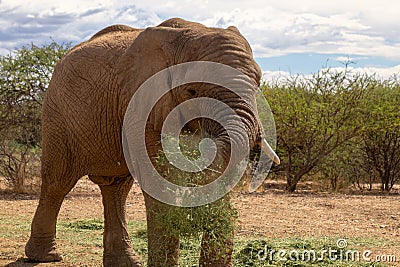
(192, 92)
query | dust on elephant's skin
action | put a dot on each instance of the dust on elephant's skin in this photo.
(82, 119)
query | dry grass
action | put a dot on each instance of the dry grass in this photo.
(367, 221)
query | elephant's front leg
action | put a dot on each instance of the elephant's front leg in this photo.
(117, 248)
(41, 246)
(216, 251)
(163, 248)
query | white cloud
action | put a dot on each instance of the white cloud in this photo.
(349, 59)
(379, 73)
(273, 28)
(275, 76)
(24, 22)
(274, 32)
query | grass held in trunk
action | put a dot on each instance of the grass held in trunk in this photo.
(217, 219)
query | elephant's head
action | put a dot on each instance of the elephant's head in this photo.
(177, 41)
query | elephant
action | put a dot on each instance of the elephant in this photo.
(82, 121)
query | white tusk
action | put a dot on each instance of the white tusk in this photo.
(269, 151)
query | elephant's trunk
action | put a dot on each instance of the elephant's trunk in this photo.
(238, 132)
(234, 129)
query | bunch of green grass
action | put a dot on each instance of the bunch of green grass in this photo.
(217, 219)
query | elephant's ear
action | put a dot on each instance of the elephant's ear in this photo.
(152, 51)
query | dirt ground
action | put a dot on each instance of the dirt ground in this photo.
(271, 213)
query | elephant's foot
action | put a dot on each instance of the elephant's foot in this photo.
(42, 250)
(129, 259)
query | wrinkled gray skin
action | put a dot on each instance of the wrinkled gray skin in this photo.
(82, 120)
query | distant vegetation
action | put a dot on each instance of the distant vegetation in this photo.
(339, 127)
(24, 77)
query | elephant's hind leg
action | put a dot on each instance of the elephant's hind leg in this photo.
(117, 248)
(58, 178)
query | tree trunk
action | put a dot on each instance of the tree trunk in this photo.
(19, 180)
(292, 180)
(291, 183)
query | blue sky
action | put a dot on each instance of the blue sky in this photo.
(293, 37)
